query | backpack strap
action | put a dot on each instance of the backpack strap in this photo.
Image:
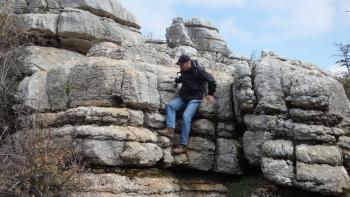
(200, 67)
(196, 67)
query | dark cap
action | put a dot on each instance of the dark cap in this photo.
(183, 59)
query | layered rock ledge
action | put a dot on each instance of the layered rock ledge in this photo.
(94, 78)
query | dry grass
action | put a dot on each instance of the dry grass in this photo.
(11, 37)
(33, 162)
(38, 163)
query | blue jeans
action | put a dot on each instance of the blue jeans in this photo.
(175, 105)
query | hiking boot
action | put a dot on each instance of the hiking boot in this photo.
(168, 132)
(180, 149)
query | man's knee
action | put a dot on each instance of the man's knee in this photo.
(186, 117)
(170, 106)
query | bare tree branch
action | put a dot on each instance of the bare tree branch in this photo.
(343, 56)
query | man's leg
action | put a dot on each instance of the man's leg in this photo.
(186, 120)
(171, 108)
(191, 108)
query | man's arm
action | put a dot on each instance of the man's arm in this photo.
(211, 81)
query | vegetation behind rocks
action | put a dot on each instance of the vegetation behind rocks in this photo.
(32, 161)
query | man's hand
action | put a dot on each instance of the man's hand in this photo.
(210, 98)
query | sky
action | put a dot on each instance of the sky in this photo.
(298, 29)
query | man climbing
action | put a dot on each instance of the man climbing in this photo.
(193, 78)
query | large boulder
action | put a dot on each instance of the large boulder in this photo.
(109, 9)
(69, 23)
(302, 109)
(43, 23)
(280, 83)
(75, 25)
(177, 34)
(197, 33)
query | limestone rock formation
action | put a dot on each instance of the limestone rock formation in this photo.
(153, 185)
(197, 33)
(106, 86)
(296, 124)
(79, 24)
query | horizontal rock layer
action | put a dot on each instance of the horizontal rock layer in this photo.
(121, 185)
(111, 102)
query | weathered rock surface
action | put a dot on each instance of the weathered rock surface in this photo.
(155, 120)
(43, 23)
(201, 154)
(110, 9)
(121, 185)
(252, 145)
(280, 149)
(296, 103)
(225, 130)
(304, 132)
(278, 83)
(322, 178)
(278, 171)
(88, 115)
(70, 23)
(197, 33)
(227, 157)
(242, 91)
(177, 34)
(318, 154)
(203, 126)
(150, 53)
(36, 58)
(111, 102)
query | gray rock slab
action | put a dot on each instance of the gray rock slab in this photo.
(108, 8)
(227, 157)
(78, 24)
(120, 133)
(314, 117)
(259, 122)
(43, 23)
(268, 87)
(203, 126)
(177, 34)
(252, 145)
(225, 130)
(154, 120)
(319, 154)
(304, 132)
(278, 171)
(280, 149)
(93, 83)
(323, 178)
(344, 142)
(141, 154)
(102, 152)
(32, 94)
